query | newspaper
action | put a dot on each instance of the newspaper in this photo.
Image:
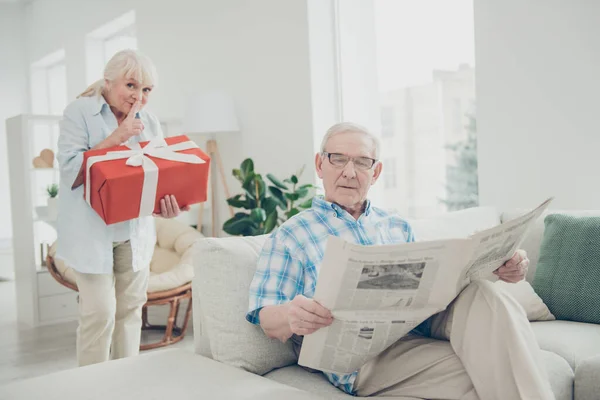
(377, 294)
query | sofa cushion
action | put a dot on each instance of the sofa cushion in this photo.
(226, 267)
(573, 341)
(559, 373)
(533, 305)
(568, 269)
(587, 379)
(161, 374)
(313, 382)
(533, 240)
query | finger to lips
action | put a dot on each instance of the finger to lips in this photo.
(134, 110)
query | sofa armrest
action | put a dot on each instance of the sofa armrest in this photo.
(201, 341)
(587, 378)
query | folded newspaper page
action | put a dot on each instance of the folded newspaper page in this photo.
(378, 294)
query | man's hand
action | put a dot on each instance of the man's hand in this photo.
(515, 269)
(306, 316)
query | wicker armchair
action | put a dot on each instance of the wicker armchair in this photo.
(171, 273)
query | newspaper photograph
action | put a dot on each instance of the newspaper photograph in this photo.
(378, 294)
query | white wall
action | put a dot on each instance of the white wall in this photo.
(538, 102)
(256, 50)
(13, 97)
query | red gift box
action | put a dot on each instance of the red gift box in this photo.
(120, 181)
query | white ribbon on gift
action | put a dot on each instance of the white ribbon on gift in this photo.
(138, 157)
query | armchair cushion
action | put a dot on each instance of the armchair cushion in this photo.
(171, 265)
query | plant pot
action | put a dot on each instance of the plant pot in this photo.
(52, 208)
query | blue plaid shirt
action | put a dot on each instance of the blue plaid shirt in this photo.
(290, 259)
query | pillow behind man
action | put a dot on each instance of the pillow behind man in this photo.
(568, 272)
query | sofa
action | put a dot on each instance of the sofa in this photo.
(224, 267)
(235, 360)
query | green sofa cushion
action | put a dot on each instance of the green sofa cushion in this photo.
(568, 272)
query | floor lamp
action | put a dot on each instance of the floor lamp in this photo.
(211, 113)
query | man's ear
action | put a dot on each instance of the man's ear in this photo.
(319, 164)
(377, 171)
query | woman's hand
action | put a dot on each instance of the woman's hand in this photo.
(169, 207)
(131, 126)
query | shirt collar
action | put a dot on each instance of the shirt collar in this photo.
(321, 205)
(98, 105)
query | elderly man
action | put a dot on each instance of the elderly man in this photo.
(481, 347)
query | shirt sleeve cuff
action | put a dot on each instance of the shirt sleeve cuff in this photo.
(253, 317)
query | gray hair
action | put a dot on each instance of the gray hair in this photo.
(125, 64)
(347, 127)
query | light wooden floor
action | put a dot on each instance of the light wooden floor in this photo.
(29, 352)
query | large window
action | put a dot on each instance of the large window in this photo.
(105, 41)
(425, 83)
(389, 173)
(49, 84)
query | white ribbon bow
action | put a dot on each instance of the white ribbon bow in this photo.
(139, 157)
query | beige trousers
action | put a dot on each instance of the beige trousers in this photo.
(110, 310)
(492, 354)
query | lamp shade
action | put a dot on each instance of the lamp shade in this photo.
(210, 112)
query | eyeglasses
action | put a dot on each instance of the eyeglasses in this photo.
(340, 160)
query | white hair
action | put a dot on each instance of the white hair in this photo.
(347, 127)
(128, 64)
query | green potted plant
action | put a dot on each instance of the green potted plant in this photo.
(265, 204)
(52, 191)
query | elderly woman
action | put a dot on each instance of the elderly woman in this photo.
(111, 263)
